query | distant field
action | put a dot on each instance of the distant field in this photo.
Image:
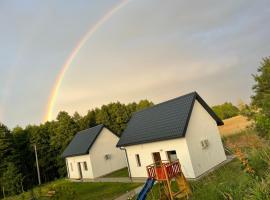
(234, 125)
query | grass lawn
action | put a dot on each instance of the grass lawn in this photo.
(228, 181)
(119, 173)
(80, 191)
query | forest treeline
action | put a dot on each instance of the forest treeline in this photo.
(17, 159)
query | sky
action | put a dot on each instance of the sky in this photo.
(147, 49)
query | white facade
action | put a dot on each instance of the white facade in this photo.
(193, 157)
(103, 158)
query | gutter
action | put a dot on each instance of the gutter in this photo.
(129, 173)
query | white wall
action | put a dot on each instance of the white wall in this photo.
(145, 152)
(106, 144)
(74, 174)
(203, 126)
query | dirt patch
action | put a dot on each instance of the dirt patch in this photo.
(234, 125)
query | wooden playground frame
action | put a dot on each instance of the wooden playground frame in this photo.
(164, 172)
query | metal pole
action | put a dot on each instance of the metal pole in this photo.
(39, 181)
(4, 192)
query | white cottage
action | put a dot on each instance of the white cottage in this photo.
(92, 153)
(183, 128)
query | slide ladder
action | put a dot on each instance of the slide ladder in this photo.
(146, 188)
(184, 188)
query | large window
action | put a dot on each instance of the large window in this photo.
(172, 155)
(138, 160)
(85, 166)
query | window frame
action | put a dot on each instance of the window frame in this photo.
(71, 167)
(138, 160)
(85, 167)
(169, 153)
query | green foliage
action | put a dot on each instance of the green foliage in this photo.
(12, 180)
(260, 189)
(226, 110)
(261, 97)
(260, 160)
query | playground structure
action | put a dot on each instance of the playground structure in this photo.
(164, 172)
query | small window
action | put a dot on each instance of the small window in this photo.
(71, 167)
(138, 160)
(85, 166)
(172, 155)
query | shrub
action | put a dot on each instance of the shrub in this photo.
(226, 110)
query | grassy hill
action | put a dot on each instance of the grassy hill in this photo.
(234, 125)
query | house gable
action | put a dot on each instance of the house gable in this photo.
(202, 127)
(82, 142)
(105, 156)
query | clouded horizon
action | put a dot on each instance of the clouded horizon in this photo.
(154, 50)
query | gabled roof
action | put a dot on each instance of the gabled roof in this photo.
(167, 120)
(82, 141)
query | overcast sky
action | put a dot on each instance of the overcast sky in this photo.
(154, 50)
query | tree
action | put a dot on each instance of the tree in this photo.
(12, 180)
(87, 121)
(144, 104)
(63, 131)
(23, 156)
(261, 97)
(226, 110)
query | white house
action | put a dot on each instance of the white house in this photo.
(92, 153)
(183, 128)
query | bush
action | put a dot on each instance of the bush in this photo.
(226, 110)
(263, 125)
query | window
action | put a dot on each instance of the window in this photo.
(71, 167)
(172, 155)
(157, 158)
(85, 166)
(138, 160)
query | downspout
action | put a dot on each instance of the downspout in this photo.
(129, 173)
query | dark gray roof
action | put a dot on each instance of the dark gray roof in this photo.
(82, 142)
(167, 120)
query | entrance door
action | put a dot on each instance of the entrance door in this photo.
(157, 158)
(80, 170)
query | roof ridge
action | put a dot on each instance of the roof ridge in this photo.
(159, 104)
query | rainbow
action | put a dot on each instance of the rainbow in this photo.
(60, 77)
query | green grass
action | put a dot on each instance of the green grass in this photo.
(79, 190)
(119, 173)
(227, 181)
